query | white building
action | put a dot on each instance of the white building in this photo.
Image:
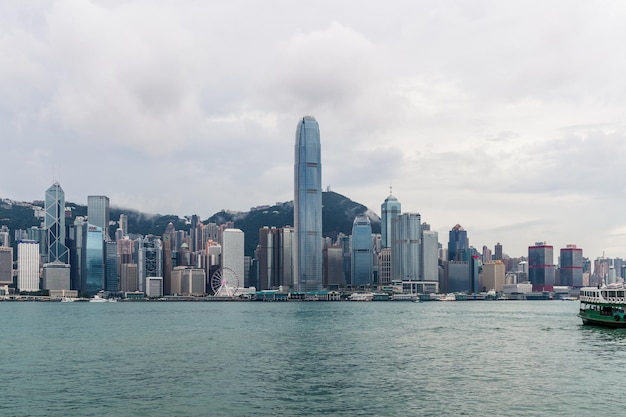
(232, 253)
(28, 265)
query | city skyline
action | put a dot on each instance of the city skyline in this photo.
(503, 118)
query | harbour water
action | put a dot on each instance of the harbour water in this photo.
(502, 358)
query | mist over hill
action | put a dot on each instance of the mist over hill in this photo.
(338, 213)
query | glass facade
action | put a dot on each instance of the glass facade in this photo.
(94, 261)
(571, 271)
(405, 247)
(98, 213)
(458, 244)
(54, 223)
(362, 257)
(307, 261)
(111, 277)
(541, 272)
(389, 210)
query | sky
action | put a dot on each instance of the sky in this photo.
(507, 118)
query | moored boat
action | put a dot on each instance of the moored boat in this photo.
(603, 306)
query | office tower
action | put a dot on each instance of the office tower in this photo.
(390, 209)
(486, 255)
(28, 265)
(384, 266)
(128, 277)
(149, 260)
(54, 224)
(98, 213)
(210, 231)
(344, 242)
(56, 276)
(76, 242)
(571, 266)
(5, 238)
(333, 267)
(493, 276)
(6, 265)
(111, 266)
(308, 207)
(430, 255)
(541, 272)
(498, 252)
(458, 244)
(362, 258)
(405, 247)
(123, 224)
(94, 261)
(267, 257)
(462, 276)
(169, 252)
(233, 253)
(154, 287)
(285, 242)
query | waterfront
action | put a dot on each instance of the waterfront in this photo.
(235, 359)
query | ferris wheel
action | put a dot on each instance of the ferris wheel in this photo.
(224, 283)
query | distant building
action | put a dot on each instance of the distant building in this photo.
(94, 261)
(154, 286)
(28, 265)
(307, 263)
(6, 265)
(405, 247)
(56, 276)
(111, 267)
(541, 271)
(333, 267)
(498, 252)
(362, 258)
(493, 276)
(430, 256)
(98, 213)
(390, 209)
(571, 261)
(233, 253)
(384, 266)
(458, 244)
(128, 277)
(54, 224)
(149, 260)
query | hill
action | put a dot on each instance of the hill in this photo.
(338, 213)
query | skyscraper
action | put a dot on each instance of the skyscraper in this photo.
(362, 257)
(405, 247)
(233, 253)
(458, 244)
(308, 207)
(390, 209)
(93, 261)
(54, 224)
(28, 265)
(541, 272)
(571, 266)
(98, 213)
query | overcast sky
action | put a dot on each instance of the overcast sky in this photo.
(505, 117)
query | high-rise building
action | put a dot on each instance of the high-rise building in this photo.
(308, 207)
(54, 225)
(405, 247)
(94, 261)
(5, 238)
(458, 244)
(98, 213)
(333, 267)
(571, 270)
(233, 253)
(384, 266)
(498, 252)
(6, 265)
(362, 257)
(390, 209)
(430, 256)
(28, 265)
(493, 276)
(541, 272)
(111, 267)
(123, 224)
(486, 254)
(149, 260)
(268, 258)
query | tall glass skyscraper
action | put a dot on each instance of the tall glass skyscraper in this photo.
(390, 209)
(54, 224)
(362, 252)
(458, 244)
(98, 213)
(307, 209)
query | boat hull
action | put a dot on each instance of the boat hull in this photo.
(603, 321)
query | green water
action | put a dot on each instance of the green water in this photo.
(506, 358)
